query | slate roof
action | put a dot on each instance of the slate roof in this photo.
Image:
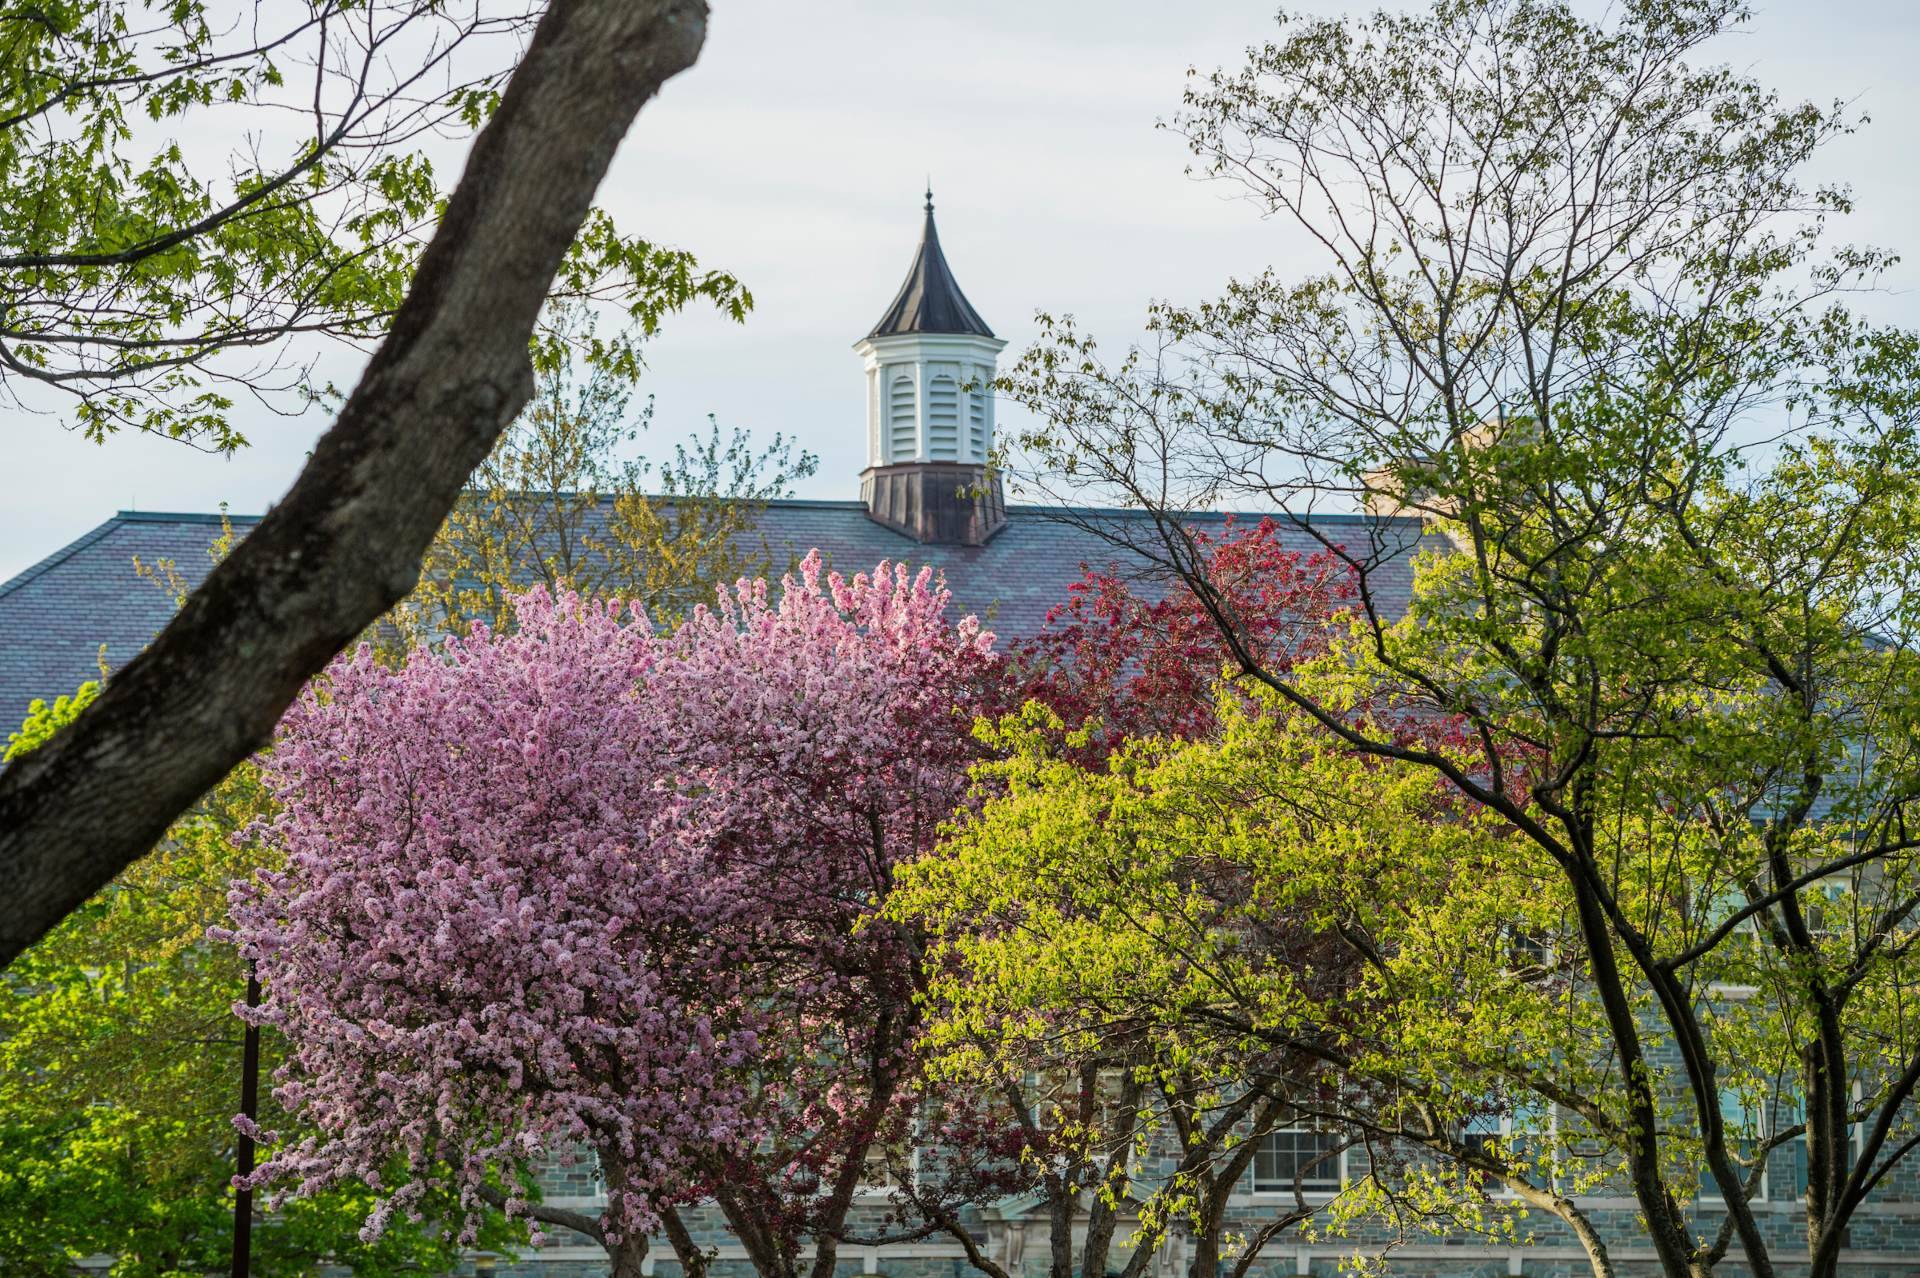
(56, 615)
(930, 301)
(1023, 571)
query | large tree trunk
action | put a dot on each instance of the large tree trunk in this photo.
(770, 1253)
(1062, 1206)
(345, 544)
(628, 1255)
(1205, 1261)
(1666, 1230)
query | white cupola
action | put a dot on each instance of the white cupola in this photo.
(930, 369)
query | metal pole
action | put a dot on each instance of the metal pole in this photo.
(249, 1106)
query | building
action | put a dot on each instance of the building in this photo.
(926, 496)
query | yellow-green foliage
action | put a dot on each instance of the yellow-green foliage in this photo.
(1432, 963)
(44, 720)
(120, 1067)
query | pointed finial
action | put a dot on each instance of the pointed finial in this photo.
(929, 192)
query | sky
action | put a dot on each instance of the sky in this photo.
(794, 153)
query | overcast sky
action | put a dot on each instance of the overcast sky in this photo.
(793, 155)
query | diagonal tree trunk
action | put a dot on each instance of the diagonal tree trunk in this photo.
(345, 543)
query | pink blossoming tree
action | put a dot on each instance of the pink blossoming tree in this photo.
(588, 886)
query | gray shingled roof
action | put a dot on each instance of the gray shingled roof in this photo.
(1026, 569)
(83, 603)
(56, 616)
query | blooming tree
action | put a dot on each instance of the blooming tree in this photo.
(831, 737)
(588, 885)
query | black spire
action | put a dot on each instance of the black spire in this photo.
(930, 302)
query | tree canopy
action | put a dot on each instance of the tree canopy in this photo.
(160, 281)
(589, 884)
(1578, 316)
(345, 544)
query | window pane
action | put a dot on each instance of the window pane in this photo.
(1296, 1153)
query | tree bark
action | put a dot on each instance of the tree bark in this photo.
(628, 1256)
(345, 543)
(578, 1221)
(1599, 1261)
(693, 1260)
(770, 1254)
(1102, 1219)
(1666, 1230)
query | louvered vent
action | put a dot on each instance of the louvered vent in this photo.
(900, 420)
(977, 424)
(943, 420)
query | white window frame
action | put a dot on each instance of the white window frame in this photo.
(1501, 1125)
(870, 1189)
(1797, 1148)
(1710, 1188)
(1327, 1179)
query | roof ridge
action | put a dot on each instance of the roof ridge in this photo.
(1278, 516)
(119, 519)
(54, 560)
(123, 517)
(183, 517)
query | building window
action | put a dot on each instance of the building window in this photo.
(977, 422)
(1485, 1136)
(902, 446)
(1518, 1134)
(1297, 1156)
(1529, 955)
(1832, 908)
(1744, 1123)
(1795, 1151)
(943, 419)
(889, 1165)
(893, 1160)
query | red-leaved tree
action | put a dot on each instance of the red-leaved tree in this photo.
(1126, 661)
(1145, 663)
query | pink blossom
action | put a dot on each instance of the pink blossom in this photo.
(589, 884)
